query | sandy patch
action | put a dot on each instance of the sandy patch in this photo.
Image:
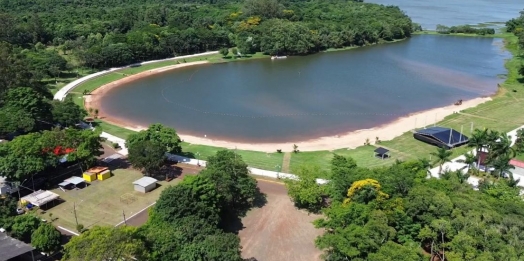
(351, 139)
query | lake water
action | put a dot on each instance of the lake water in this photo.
(307, 97)
(429, 13)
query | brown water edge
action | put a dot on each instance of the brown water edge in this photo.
(352, 139)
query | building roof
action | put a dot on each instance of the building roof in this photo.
(10, 247)
(145, 181)
(447, 136)
(112, 157)
(41, 197)
(74, 180)
(381, 150)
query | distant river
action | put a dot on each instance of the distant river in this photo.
(429, 13)
(307, 97)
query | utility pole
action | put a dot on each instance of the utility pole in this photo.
(74, 211)
(124, 214)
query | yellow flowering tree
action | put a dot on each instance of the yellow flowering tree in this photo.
(364, 191)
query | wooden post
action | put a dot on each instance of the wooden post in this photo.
(124, 214)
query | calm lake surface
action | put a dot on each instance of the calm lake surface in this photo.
(308, 97)
(429, 13)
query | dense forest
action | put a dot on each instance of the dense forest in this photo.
(398, 213)
(110, 33)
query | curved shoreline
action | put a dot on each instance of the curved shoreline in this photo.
(353, 139)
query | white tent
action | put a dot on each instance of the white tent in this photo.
(40, 197)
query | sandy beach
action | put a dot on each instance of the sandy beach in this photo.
(351, 139)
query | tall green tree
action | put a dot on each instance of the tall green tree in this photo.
(25, 156)
(67, 113)
(343, 174)
(478, 140)
(15, 120)
(105, 243)
(195, 196)
(29, 101)
(147, 155)
(46, 238)
(393, 251)
(306, 192)
(159, 134)
(24, 226)
(237, 188)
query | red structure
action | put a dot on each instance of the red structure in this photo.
(59, 150)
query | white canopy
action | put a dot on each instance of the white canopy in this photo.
(41, 197)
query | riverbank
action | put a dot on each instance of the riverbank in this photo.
(351, 140)
(432, 32)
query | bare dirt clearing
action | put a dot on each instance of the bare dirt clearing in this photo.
(278, 231)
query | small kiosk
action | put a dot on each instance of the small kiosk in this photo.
(104, 175)
(100, 173)
(89, 176)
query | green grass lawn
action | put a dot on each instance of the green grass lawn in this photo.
(364, 156)
(102, 202)
(520, 157)
(113, 129)
(255, 159)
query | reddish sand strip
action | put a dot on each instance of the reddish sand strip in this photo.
(352, 139)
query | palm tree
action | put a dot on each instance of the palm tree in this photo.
(442, 156)
(501, 147)
(512, 182)
(461, 176)
(519, 141)
(502, 166)
(478, 141)
(469, 159)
